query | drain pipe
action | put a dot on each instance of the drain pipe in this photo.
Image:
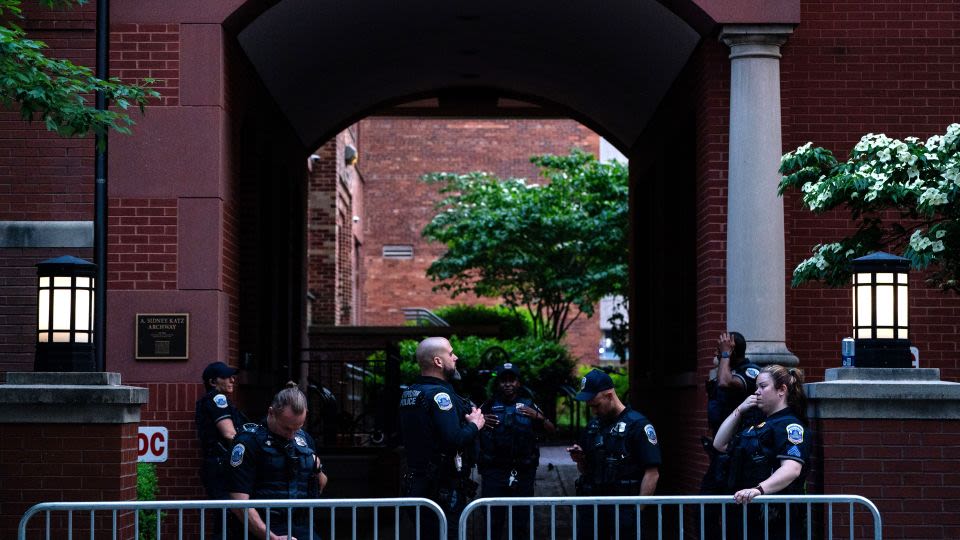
(100, 193)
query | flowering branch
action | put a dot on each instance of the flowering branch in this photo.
(919, 181)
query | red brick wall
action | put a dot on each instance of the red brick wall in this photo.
(140, 51)
(909, 468)
(65, 462)
(396, 153)
(142, 244)
(853, 68)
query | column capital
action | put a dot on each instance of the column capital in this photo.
(755, 40)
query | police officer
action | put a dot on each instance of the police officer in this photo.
(509, 454)
(217, 424)
(277, 460)
(771, 456)
(618, 455)
(736, 378)
(439, 431)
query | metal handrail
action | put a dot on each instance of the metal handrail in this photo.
(670, 500)
(419, 314)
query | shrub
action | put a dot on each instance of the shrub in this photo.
(147, 489)
(512, 324)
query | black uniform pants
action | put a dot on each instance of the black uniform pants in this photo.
(715, 483)
(773, 518)
(496, 483)
(451, 499)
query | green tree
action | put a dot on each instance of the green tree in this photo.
(902, 195)
(554, 248)
(56, 91)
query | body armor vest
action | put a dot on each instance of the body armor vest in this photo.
(513, 443)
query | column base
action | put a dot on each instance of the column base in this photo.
(764, 353)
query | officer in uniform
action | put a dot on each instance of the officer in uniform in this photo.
(218, 422)
(509, 454)
(735, 380)
(618, 455)
(277, 460)
(769, 457)
(439, 431)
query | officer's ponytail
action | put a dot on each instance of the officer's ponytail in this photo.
(290, 396)
(792, 380)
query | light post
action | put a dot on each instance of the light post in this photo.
(880, 311)
(65, 307)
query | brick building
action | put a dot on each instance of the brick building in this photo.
(209, 208)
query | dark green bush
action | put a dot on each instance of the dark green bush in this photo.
(147, 489)
(512, 324)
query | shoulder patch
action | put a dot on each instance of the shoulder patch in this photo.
(795, 433)
(752, 372)
(443, 401)
(583, 383)
(249, 427)
(651, 433)
(300, 440)
(220, 400)
(236, 456)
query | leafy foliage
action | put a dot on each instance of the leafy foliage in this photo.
(554, 249)
(147, 489)
(919, 182)
(512, 323)
(58, 91)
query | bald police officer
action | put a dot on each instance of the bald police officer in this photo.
(439, 431)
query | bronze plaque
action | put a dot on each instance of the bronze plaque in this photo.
(163, 336)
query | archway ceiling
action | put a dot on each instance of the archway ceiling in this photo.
(607, 63)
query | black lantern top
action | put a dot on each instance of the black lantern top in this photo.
(880, 262)
(66, 265)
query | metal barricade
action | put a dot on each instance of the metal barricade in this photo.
(121, 520)
(826, 516)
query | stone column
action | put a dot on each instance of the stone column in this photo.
(893, 436)
(755, 249)
(67, 437)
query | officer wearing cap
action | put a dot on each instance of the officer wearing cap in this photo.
(217, 424)
(439, 431)
(509, 454)
(277, 460)
(618, 455)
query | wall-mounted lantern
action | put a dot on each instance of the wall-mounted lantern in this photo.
(880, 311)
(65, 315)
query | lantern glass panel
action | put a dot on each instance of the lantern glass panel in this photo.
(884, 333)
(83, 282)
(884, 306)
(902, 334)
(853, 308)
(81, 337)
(43, 337)
(902, 306)
(864, 333)
(61, 337)
(59, 281)
(885, 277)
(61, 309)
(864, 278)
(864, 307)
(43, 314)
(45, 282)
(902, 278)
(82, 314)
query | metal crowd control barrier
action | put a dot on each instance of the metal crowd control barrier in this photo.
(834, 512)
(114, 516)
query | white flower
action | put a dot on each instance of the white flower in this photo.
(933, 196)
(937, 246)
(919, 242)
(804, 148)
(931, 157)
(884, 155)
(933, 142)
(941, 233)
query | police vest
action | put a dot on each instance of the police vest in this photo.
(425, 457)
(285, 468)
(512, 444)
(611, 468)
(753, 457)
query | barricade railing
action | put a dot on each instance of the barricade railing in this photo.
(701, 516)
(69, 520)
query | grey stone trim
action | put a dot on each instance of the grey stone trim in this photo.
(865, 393)
(69, 398)
(46, 234)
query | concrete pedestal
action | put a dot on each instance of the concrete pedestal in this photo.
(893, 436)
(67, 437)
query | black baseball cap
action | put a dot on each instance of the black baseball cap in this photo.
(507, 368)
(218, 369)
(592, 384)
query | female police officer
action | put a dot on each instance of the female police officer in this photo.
(218, 422)
(772, 456)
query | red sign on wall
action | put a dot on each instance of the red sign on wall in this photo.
(152, 444)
